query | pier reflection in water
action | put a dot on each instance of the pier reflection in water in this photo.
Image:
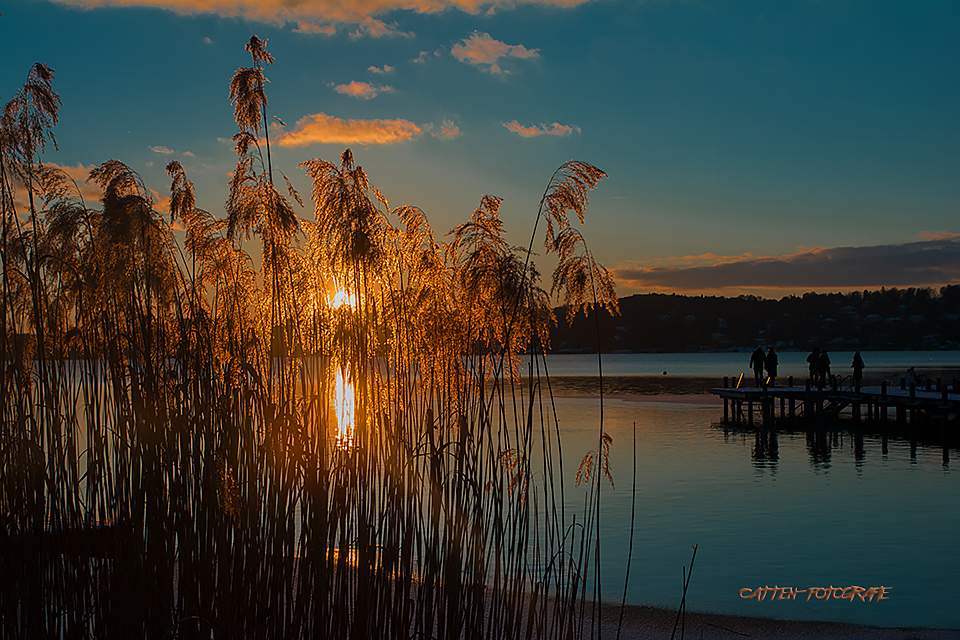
(841, 435)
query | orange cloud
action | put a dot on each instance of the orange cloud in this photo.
(448, 130)
(162, 149)
(385, 70)
(938, 235)
(482, 50)
(90, 191)
(373, 28)
(316, 11)
(160, 203)
(555, 129)
(323, 129)
(363, 90)
(310, 28)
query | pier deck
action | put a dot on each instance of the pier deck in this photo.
(908, 403)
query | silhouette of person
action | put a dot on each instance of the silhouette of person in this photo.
(857, 365)
(813, 360)
(756, 361)
(824, 368)
(770, 363)
(911, 377)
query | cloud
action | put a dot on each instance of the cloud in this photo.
(385, 70)
(161, 203)
(448, 130)
(310, 28)
(555, 129)
(188, 153)
(928, 262)
(162, 149)
(323, 129)
(937, 235)
(207, 40)
(424, 56)
(483, 51)
(89, 191)
(316, 11)
(363, 90)
(373, 28)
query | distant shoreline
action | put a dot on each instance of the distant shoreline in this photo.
(745, 350)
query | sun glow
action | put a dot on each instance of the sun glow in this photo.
(342, 298)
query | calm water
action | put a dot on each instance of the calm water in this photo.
(717, 365)
(771, 509)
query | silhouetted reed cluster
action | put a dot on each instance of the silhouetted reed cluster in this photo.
(330, 440)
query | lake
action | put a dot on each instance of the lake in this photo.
(782, 508)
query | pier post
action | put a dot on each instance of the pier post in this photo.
(883, 401)
(749, 412)
(792, 402)
(726, 401)
(807, 406)
(913, 402)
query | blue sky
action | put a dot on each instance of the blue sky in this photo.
(752, 146)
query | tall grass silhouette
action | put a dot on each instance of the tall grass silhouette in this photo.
(337, 442)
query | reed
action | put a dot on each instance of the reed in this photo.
(337, 442)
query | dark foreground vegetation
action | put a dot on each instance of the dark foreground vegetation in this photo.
(889, 319)
(333, 444)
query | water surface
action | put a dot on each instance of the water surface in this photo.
(781, 508)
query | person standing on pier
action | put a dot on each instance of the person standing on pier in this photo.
(756, 361)
(857, 371)
(824, 369)
(813, 360)
(770, 362)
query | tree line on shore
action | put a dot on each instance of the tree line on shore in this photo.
(885, 319)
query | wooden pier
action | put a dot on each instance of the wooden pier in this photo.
(906, 403)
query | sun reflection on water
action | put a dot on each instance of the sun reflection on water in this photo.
(343, 405)
(343, 388)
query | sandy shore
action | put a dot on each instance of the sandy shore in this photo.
(649, 623)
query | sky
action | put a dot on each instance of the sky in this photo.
(751, 146)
